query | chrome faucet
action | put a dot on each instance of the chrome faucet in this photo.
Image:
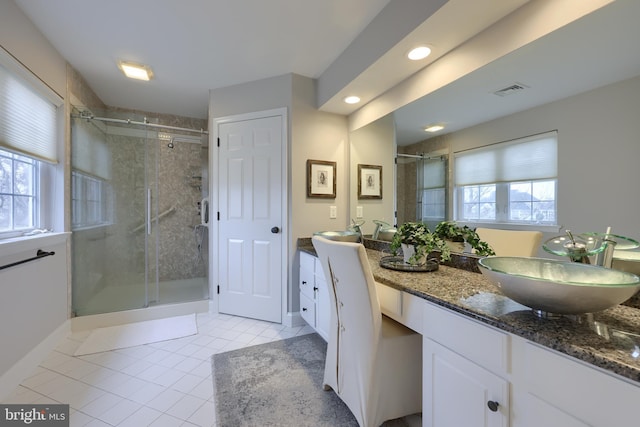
(578, 252)
(605, 258)
(355, 226)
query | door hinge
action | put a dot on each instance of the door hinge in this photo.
(218, 142)
(218, 289)
(218, 216)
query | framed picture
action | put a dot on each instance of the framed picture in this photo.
(369, 182)
(321, 179)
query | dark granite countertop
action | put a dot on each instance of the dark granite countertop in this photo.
(609, 339)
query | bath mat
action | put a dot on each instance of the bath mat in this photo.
(138, 333)
(280, 384)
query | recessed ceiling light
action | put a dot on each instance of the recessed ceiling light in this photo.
(135, 71)
(352, 99)
(418, 53)
(434, 128)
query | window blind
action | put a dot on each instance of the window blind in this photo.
(525, 159)
(27, 119)
(89, 151)
(433, 173)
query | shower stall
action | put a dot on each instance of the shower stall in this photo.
(139, 231)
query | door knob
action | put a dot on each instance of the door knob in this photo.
(275, 230)
(493, 406)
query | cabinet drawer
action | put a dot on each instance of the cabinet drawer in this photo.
(412, 309)
(390, 301)
(308, 310)
(476, 341)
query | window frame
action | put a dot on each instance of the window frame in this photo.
(503, 205)
(35, 179)
(49, 206)
(80, 196)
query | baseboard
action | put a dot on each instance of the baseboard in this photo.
(294, 319)
(83, 323)
(25, 366)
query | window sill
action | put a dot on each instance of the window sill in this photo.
(513, 226)
(15, 245)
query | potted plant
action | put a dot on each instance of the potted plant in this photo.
(417, 242)
(449, 230)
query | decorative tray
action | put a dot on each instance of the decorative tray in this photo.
(397, 263)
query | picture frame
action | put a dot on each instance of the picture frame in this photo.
(321, 179)
(369, 182)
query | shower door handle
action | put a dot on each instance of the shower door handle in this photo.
(149, 211)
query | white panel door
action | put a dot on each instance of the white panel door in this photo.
(250, 186)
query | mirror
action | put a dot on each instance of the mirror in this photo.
(578, 80)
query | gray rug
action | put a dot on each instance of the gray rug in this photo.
(280, 384)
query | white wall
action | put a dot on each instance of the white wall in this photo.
(34, 297)
(33, 302)
(374, 145)
(25, 42)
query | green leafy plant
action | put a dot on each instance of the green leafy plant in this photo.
(424, 242)
(449, 230)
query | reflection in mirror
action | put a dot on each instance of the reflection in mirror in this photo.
(422, 188)
(592, 101)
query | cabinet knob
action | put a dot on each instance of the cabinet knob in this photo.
(315, 288)
(493, 406)
(304, 308)
(304, 282)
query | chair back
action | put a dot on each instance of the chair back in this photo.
(357, 310)
(511, 242)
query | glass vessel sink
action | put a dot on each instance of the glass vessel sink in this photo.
(340, 236)
(586, 244)
(559, 287)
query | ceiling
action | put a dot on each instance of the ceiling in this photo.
(198, 45)
(350, 47)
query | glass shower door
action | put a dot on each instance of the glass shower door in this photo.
(137, 235)
(109, 218)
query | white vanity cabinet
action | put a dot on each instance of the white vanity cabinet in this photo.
(464, 370)
(556, 390)
(477, 375)
(314, 295)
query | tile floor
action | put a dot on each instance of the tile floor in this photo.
(164, 384)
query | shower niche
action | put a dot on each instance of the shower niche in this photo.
(138, 238)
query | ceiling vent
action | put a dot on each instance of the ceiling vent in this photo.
(510, 90)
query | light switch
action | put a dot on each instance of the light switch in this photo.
(333, 212)
(359, 213)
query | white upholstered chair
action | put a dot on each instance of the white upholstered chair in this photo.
(374, 364)
(511, 242)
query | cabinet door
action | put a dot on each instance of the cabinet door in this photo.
(457, 392)
(307, 265)
(308, 310)
(323, 309)
(540, 413)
